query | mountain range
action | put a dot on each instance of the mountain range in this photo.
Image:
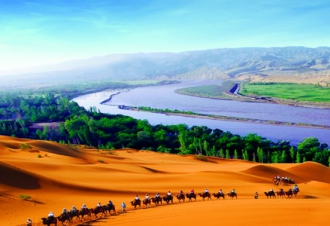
(225, 63)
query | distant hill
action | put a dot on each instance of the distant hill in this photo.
(213, 63)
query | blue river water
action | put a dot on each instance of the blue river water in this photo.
(165, 97)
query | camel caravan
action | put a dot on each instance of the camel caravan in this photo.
(292, 192)
(86, 214)
(282, 180)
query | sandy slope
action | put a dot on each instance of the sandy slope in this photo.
(63, 177)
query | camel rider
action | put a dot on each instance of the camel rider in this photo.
(28, 222)
(220, 192)
(295, 188)
(64, 211)
(98, 206)
(137, 198)
(181, 192)
(110, 204)
(147, 197)
(206, 191)
(51, 216)
(192, 191)
(169, 193)
(73, 209)
(233, 191)
(83, 208)
(271, 190)
(157, 195)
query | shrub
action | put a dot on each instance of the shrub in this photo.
(24, 146)
(201, 158)
(24, 197)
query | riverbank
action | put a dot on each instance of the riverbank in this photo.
(227, 92)
(233, 95)
(227, 118)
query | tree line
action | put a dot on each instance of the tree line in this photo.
(77, 125)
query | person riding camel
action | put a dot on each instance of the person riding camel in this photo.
(73, 209)
(83, 208)
(51, 216)
(64, 211)
(220, 192)
(295, 188)
(28, 222)
(137, 198)
(271, 190)
(206, 191)
(147, 197)
(192, 191)
(98, 206)
(181, 192)
(169, 193)
(233, 191)
(157, 195)
(110, 204)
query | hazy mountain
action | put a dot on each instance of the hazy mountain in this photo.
(213, 63)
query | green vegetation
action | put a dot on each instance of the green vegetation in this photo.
(210, 91)
(24, 146)
(24, 197)
(76, 126)
(288, 91)
(201, 158)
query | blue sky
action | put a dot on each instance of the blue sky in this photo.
(36, 32)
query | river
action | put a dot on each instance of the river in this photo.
(165, 97)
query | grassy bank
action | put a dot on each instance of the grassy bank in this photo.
(216, 91)
(288, 91)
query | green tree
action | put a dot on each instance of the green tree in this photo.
(292, 154)
(298, 158)
(260, 154)
(308, 147)
(221, 153)
(284, 156)
(235, 154)
(206, 147)
(183, 142)
(213, 151)
(245, 155)
(227, 154)
(275, 157)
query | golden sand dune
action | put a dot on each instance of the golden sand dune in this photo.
(312, 171)
(56, 176)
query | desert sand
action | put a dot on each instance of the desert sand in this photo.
(56, 176)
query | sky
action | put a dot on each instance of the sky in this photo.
(39, 32)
